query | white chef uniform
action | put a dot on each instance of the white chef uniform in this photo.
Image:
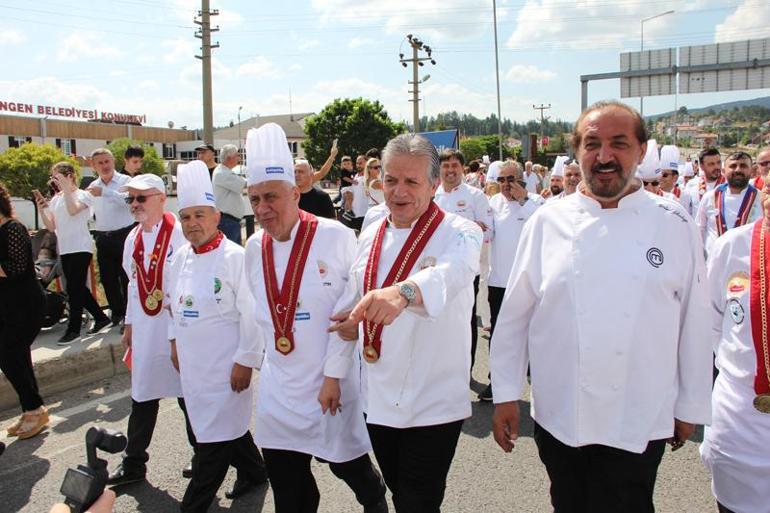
(289, 415)
(604, 374)
(735, 447)
(467, 202)
(508, 218)
(706, 217)
(696, 191)
(152, 374)
(421, 377)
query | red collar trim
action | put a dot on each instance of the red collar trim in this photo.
(211, 246)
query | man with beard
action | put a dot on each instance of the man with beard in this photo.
(735, 447)
(729, 205)
(609, 387)
(510, 210)
(556, 180)
(457, 197)
(711, 165)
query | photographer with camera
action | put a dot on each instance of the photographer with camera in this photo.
(68, 214)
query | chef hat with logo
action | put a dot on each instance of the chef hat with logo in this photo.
(558, 166)
(649, 169)
(494, 170)
(688, 171)
(267, 155)
(669, 157)
(193, 185)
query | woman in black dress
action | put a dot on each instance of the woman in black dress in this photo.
(22, 306)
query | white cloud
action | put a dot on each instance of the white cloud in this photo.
(432, 20)
(528, 74)
(259, 66)
(307, 45)
(749, 21)
(11, 36)
(79, 45)
(179, 49)
(148, 85)
(190, 75)
(358, 42)
(51, 90)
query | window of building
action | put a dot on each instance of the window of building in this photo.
(188, 155)
(293, 148)
(169, 151)
(14, 141)
(67, 146)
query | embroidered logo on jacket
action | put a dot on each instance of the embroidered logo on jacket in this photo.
(655, 257)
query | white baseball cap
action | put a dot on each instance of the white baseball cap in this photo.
(145, 182)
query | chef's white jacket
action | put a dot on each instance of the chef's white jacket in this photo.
(735, 447)
(706, 218)
(609, 308)
(508, 218)
(467, 202)
(421, 377)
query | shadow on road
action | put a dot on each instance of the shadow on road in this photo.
(480, 423)
(152, 499)
(23, 477)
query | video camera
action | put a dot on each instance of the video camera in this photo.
(83, 485)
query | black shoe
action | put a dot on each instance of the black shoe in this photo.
(486, 394)
(121, 477)
(117, 321)
(99, 326)
(67, 338)
(242, 487)
(380, 507)
(187, 471)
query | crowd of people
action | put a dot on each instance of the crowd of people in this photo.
(628, 285)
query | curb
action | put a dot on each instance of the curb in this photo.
(58, 373)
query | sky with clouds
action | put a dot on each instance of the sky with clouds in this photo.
(137, 56)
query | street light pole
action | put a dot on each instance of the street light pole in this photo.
(239, 129)
(416, 61)
(641, 48)
(497, 78)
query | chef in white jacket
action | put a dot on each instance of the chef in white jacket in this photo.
(147, 252)
(606, 302)
(412, 279)
(731, 204)
(735, 446)
(511, 208)
(297, 267)
(215, 343)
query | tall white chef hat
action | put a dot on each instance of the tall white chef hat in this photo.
(669, 157)
(267, 155)
(558, 165)
(649, 169)
(688, 170)
(193, 185)
(485, 160)
(494, 171)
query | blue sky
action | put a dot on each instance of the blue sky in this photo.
(136, 56)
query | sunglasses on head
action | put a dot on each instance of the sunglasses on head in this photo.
(139, 199)
(654, 184)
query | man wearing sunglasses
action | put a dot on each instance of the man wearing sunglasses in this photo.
(511, 208)
(762, 166)
(731, 204)
(147, 251)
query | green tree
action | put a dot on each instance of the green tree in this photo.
(152, 162)
(356, 123)
(476, 147)
(28, 166)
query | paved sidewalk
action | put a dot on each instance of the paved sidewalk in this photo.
(57, 368)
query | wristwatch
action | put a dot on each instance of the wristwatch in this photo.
(407, 291)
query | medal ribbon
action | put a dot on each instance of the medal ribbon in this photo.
(210, 246)
(283, 302)
(759, 304)
(677, 191)
(418, 238)
(150, 282)
(743, 211)
(759, 183)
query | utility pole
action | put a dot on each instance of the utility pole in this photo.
(542, 108)
(497, 79)
(416, 61)
(204, 34)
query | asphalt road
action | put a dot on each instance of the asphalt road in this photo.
(482, 478)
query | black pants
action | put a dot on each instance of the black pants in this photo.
(210, 465)
(16, 337)
(474, 324)
(415, 463)
(75, 267)
(495, 296)
(597, 478)
(141, 425)
(109, 255)
(295, 489)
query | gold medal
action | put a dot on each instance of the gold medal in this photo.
(370, 354)
(283, 345)
(762, 403)
(158, 295)
(151, 303)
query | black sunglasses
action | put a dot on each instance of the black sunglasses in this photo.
(503, 179)
(139, 199)
(654, 184)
